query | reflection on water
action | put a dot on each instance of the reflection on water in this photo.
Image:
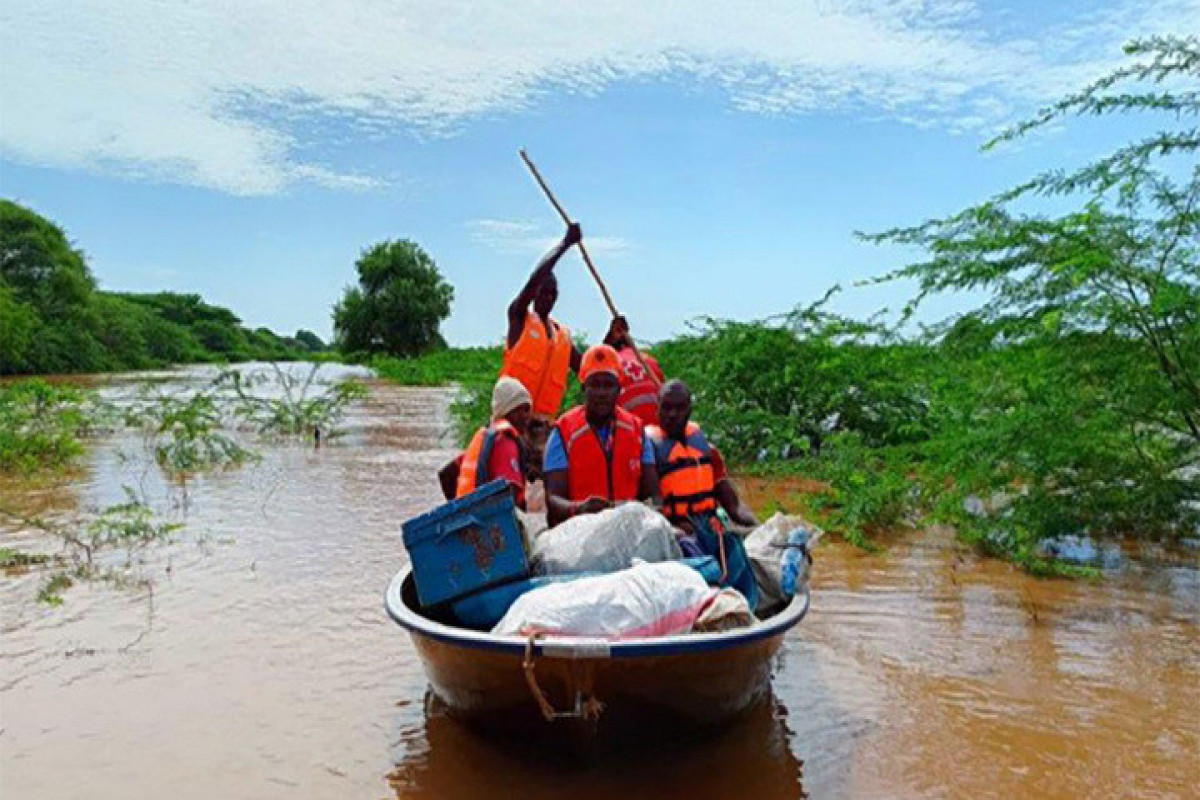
(264, 664)
(438, 757)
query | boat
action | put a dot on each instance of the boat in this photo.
(695, 679)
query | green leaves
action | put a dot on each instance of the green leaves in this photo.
(1074, 391)
(398, 305)
(296, 404)
(40, 425)
(130, 526)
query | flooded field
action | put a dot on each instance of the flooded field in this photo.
(263, 665)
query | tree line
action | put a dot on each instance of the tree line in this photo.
(54, 319)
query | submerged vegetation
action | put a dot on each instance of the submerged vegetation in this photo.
(183, 434)
(104, 547)
(299, 411)
(40, 425)
(186, 434)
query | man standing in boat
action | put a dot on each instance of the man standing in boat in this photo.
(641, 376)
(597, 455)
(538, 350)
(497, 450)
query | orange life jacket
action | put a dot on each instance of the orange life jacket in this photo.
(593, 471)
(473, 472)
(541, 362)
(685, 472)
(639, 390)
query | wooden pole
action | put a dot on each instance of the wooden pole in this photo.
(587, 260)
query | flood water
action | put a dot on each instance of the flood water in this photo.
(263, 664)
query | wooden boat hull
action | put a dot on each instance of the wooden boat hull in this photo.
(697, 679)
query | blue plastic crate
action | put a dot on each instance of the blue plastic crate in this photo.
(466, 545)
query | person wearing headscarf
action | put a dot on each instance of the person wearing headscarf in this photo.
(497, 450)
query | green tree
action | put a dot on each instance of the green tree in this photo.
(53, 318)
(18, 326)
(1083, 385)
(218, 338)
(398, 305)
(778, 389)
(47, 290)
(309, 341)
(39, 265)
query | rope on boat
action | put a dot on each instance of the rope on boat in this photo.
(585, 709)
(721, 549)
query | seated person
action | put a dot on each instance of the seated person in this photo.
(691, 474)
(693, 483)
(598, 454)
(641, 376)
(497, 450)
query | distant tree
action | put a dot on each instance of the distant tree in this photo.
(309, 341)
(18, 325)
(39, 265)
(219, 338)
(47, 290)
(398, 305)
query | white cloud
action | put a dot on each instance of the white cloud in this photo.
(213, 93)
(523, 236)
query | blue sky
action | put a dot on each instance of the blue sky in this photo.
(720, 156)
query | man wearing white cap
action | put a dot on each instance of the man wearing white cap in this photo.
(497, 450)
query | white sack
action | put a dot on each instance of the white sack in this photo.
(728, 610)
(780, 567)
(645, 600)
(606, 542)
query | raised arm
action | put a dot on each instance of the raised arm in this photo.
(520, 304)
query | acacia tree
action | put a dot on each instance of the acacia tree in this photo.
(1088, 348)
(398, 305)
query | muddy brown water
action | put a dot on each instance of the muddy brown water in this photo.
(264, 665)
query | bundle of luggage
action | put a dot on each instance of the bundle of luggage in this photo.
(616, 574)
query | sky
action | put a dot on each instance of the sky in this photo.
(719, 156)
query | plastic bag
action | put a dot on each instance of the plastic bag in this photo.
(533, 525)
(728, 610)
(779, 555)
(642, 601)
(605, 542)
